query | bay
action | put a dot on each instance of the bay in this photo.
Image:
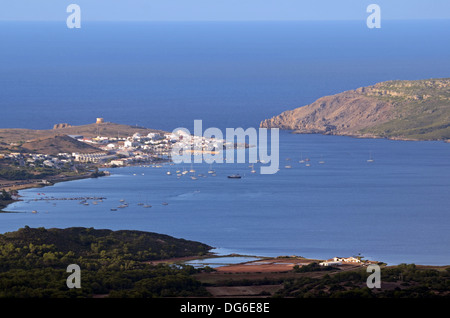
(394, 209)
(235, 74)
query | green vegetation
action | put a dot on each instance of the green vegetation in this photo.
(422, 109)
(402, 281)
(5, 196)
(21, 173)
(5, 199)
(33, 263)
(313, 267)
(97, 173)
(117, 264)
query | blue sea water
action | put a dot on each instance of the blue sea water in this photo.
(165, 75)
(394, 209)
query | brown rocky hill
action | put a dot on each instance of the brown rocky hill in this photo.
(41, 141)
(394, 109)
(13, 135)
(57, 144)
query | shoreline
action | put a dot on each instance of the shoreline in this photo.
(37, 184)
(17, 185)
(57, 179)
(364, 136)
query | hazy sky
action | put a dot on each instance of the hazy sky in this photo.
(222, 10)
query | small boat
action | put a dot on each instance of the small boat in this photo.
(140, 204)
(288, 167)
(165, 203)
(234, 176)
(113, 209)
(307, 165)
(301, 159)
(147, 206)
(253, 170)
(168, 173)
(322, 161)
(34, 211)
(370, 158)
(193, 178)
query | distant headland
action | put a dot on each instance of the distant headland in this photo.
(400, 109)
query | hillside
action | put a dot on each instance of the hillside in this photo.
(57, 144)
(8, 135)
(54, 141)
(126, 243)
(412, 110)
(137, 264)
(33, 263)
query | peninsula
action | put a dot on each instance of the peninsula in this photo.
(35, 158)
(400, 109)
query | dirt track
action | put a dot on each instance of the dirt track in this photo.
(263, 266)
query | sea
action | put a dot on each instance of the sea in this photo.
(165, 75)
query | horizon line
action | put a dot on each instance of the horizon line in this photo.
(230, 21)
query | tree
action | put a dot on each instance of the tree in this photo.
(5, 196)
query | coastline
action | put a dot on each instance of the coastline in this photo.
(70, 178)
(364, 136)
(17, 186)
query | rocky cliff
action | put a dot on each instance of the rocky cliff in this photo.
(417, 110)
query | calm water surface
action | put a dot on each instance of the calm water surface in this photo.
(166, 75)
(395, 209)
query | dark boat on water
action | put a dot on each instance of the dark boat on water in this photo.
(234, 176)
